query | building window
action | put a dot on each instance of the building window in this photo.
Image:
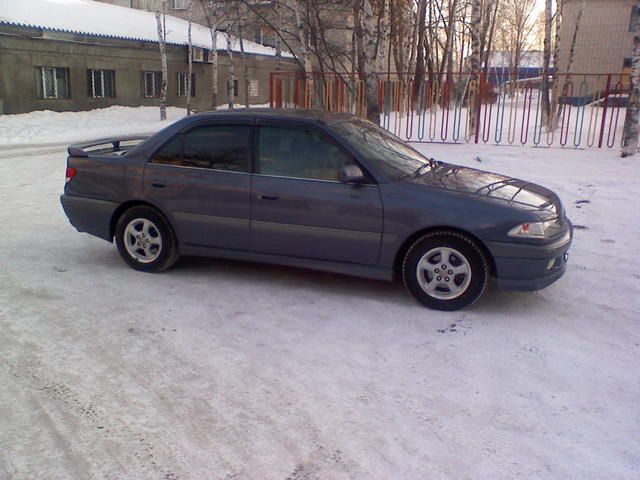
(151, 82)
(182, 84)
(52, 82)
(101, 83)
(180, 4)
(235, 87)
(254, 89)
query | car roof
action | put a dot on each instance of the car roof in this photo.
(278, 114)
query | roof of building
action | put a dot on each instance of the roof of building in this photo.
(87, 17)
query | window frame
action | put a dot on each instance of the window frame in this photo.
(40, 76)
(157, 85)
(102, 71)
(195, 126)
(326, 136)
(193, 84)
(174, 7)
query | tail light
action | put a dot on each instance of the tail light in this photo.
(71, 172)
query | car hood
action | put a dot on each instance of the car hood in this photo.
(515, 192)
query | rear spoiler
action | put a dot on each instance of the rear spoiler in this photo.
(105, 145)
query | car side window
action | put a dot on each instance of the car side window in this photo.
(298, 152)
(216, 147)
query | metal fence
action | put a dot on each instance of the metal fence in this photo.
(497, 107)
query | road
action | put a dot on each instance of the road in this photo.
(231, 370)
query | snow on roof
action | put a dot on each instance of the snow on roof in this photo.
(93, 18)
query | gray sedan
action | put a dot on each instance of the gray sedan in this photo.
(316, 190)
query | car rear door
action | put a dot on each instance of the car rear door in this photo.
(300, 209)
(201, 179)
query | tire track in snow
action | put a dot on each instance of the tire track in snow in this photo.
(90, 414)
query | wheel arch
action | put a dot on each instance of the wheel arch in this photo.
(123, 207)
(404, 248)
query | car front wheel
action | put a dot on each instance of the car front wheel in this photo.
(445, 270)
(145, 240)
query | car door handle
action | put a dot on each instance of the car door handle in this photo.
(267, 197)
(158, 185)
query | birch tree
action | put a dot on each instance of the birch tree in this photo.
(190, 55)
(546, 60)
(418, 81)
(210, 10)
(245, 69)
(555, 93)
(371, 82)
(230, 73)
(304, 49)
(632, 117)
(162, 42)
(475, 27)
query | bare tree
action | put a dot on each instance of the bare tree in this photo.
(515, 30)
(230, 71)
(245, 70)
(546, 60)
(632, 117)
(190, 59)
(475, 26)
(210, 9)
(162, 42)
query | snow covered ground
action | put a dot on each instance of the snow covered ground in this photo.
(230, 370)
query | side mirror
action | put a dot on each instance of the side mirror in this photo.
(351, 174)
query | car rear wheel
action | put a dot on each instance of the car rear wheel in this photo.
(145, 240)
(445, 271)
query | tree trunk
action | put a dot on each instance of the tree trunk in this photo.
(190, 54)
(556, 66)
(210, 13)
(371, 82)
(546, 59)
(278, 45)
(306, 58)
(163, 58)
(214, 66)
(418, 79)
(475, 26)
(230, 76)
(245, 69)
(630, 134)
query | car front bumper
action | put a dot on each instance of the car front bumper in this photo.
(529, 267)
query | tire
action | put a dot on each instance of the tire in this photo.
(145, 240)
(458, 285)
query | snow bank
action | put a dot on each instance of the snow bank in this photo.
(45, 127)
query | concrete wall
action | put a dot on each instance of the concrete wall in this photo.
(603, 40)
(23, 49)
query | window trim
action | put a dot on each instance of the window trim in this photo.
(40, 71)
(102, 71)
(193, 84)
(285, 123)
(157, 85)
(173, 6)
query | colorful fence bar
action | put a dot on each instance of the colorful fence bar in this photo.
(496, 107)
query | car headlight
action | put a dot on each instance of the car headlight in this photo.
(536, 229)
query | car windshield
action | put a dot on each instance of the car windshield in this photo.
(385, 152)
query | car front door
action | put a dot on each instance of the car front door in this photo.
(201, 179)
(298, 206)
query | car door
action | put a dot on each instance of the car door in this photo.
(298, 206)
(201, 179)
